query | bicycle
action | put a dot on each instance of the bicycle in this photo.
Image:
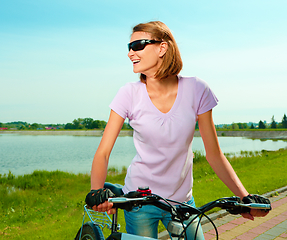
(93, 229)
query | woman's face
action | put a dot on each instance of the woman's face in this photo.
(147, 60)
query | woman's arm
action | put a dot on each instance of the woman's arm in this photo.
(219, 163)
(216, 158)
(101, 158)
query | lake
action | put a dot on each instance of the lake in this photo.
(22, 154)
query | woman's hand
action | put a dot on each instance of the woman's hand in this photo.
(98, 200)
(105, 207)
(255, 212)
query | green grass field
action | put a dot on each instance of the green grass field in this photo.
(49, 205)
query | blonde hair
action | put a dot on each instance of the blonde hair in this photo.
(172, 63)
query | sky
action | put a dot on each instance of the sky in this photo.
(62, 60)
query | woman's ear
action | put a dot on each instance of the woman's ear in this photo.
(163, 48)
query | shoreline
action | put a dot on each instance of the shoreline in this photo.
(257, 134)
(96, 133)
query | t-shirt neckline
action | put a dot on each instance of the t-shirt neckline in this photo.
(175, 104)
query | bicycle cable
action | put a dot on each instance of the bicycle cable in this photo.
(199, 215)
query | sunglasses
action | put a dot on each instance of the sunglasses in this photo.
(140, 44)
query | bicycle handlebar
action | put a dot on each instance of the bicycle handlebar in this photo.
(179, 211)
(232, 204)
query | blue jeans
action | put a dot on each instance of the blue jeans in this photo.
(144, 222)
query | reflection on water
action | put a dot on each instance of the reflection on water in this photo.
(22, 154)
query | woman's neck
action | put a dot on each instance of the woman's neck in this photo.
(163, 93)
(163, 85)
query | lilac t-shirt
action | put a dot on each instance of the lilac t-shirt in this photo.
(164, 159)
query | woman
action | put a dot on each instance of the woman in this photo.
(162, 108)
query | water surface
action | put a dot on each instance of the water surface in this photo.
(22, 154)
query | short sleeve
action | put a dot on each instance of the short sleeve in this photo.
(121, 103)
(207, 100)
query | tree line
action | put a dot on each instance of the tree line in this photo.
(79, 124)
(89, 123)
(86, 123)
(274, 124)
(261, 125)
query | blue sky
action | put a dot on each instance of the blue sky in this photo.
(60, 60)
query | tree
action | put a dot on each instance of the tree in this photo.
(34, 126)
(96, 124)
(261, 125)
(284, 121)
(103, 124)
(273, 123)
(69, 126)
(22, 127)
(225, 126)
(252, 126)
(88, 123)
(78, 123)
(242, 125)
(234, 126)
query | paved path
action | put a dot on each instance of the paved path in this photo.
(272, 226)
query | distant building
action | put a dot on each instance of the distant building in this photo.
(52, 128)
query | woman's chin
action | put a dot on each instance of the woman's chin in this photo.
(135, 70)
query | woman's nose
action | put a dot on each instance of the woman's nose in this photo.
(130, 53)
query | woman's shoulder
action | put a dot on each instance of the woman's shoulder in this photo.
(133, 85)
(196, 82)
(130, 89)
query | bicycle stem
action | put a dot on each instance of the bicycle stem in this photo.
(115, 222)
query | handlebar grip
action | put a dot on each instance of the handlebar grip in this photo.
(117, 200)
(262, 206)
(258, 206)
(239, 208)
(121, 204)
(126, 203)
(125, 200)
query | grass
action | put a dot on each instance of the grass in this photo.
(46, 205)
(260, 173)
(49, 205)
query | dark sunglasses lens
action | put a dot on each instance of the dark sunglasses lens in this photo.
(137, 45)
